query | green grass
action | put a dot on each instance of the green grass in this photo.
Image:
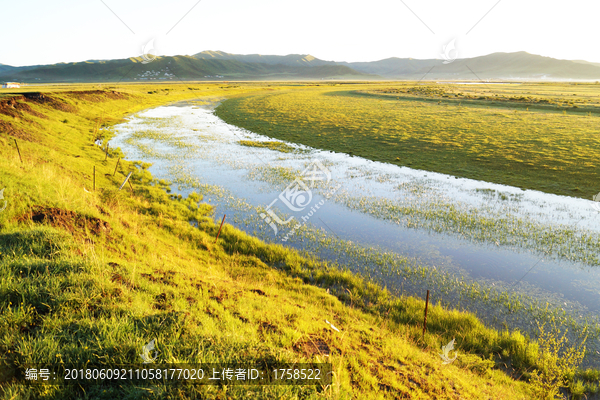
(110, 270)
(500, 302)
(523, 143)
(277, 146)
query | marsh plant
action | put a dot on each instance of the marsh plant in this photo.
(558, 360)
(297, 196)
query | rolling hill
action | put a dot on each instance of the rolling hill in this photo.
(4, 68)
(518, 65)
(292, 60)
(176, 68)
(218, 65)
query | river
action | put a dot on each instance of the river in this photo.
(384, 221)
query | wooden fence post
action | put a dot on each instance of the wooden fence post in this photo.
(18, 151)
(220, 228)
(117, 166)
(425, 320)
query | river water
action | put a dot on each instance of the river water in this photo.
(384, 221)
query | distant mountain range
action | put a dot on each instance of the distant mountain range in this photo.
(519, 65)
(218, 65)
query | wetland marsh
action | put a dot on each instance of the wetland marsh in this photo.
(509, 255)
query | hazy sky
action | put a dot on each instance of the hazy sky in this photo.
(45, 32)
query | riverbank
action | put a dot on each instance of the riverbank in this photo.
(531, 136)
(512, 257)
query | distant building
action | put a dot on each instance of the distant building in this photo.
(8, 85)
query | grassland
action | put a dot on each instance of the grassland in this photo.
(278, 146)
(90, 276)
(533, 136)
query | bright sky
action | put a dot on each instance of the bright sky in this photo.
(46, 32)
